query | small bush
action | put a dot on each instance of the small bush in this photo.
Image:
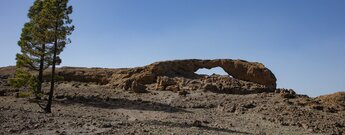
(59, 78)
(39, 95)
(24, 94)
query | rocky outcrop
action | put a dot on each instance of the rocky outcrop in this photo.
(335, 100)
(138, 88)
(176, 75)
(97, 75)
(179, 75)
(7, 72)
(238, 69)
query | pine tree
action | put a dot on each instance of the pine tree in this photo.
(35, 56)
(55, 16)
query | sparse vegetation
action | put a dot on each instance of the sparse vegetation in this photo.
(55, 15)
(35, 53)
(24, 94)
(43, 38)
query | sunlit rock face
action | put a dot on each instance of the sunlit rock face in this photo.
(246, 77)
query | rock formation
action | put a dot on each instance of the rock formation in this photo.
(176, 75)
(239, 69)
(248, 77)
(335, 100)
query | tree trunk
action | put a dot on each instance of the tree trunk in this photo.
(40, 74)
(51, 93)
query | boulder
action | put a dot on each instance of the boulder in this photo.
(174, 88)
(210, 87)
(163, 82)
(138, 88)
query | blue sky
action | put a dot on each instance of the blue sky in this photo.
(301, 41)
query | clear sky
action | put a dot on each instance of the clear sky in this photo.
(301, 41)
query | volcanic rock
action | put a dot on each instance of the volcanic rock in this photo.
(335, 100)
(137, 87)
(239, 69)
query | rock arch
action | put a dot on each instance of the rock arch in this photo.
(239, 69)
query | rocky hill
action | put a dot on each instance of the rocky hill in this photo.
(169, 97)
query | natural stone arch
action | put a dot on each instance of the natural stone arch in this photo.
(239, 69)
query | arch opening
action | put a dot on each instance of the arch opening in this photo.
(212, 72)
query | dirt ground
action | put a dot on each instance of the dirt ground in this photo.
(85, 108)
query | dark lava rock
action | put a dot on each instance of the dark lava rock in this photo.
(2, 93)
(197, 123)
(138, 88)
(107, 125)
(249, 105)
(183, 93)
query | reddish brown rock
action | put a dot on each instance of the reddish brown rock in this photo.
(239, 69)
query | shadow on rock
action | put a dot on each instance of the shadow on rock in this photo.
(117, 103)
(198, 124)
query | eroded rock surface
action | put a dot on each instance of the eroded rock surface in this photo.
(247, 77)
(239, 69)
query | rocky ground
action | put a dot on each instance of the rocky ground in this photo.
(86, 108)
